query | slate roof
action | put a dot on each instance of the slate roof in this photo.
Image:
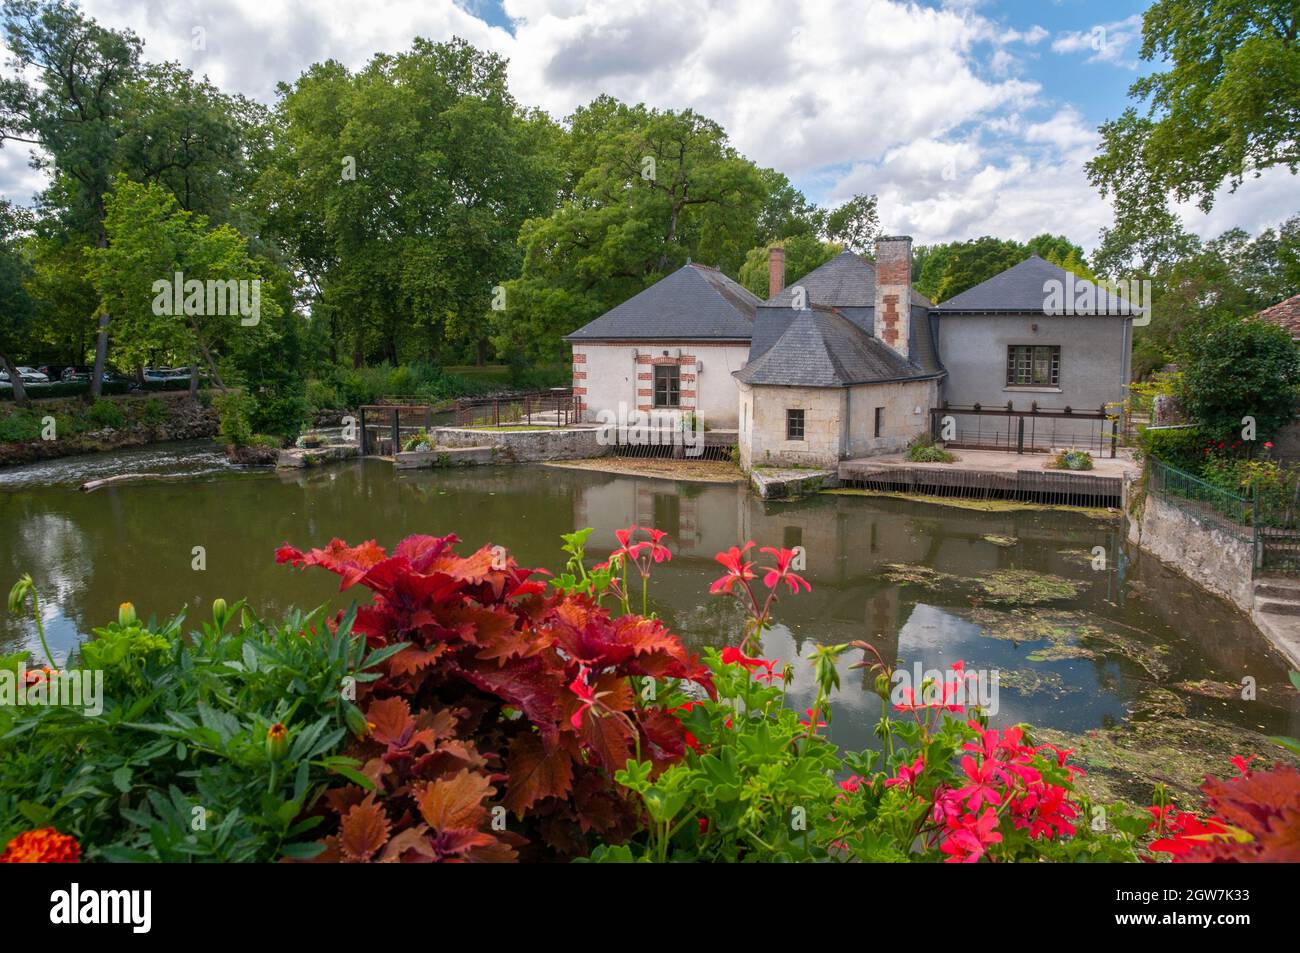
(1285, 313)
(846, 281)
(695, 302)
(1019, 290)
(822, 348)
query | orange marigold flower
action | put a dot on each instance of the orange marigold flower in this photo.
(44, 846)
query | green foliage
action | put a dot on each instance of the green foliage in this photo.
(236, 410)
(1181, 447)
(178, 767)
(922, 449)
(1238, 369)
(21, 426)
(105, 413)
(1072, 460)
(154, 412)
(1224, 105)
(941, 271)
(855, 224)
(803, 253)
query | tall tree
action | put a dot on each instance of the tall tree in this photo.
(651, 189)
(398, 194)
(1227, 107)
(16, 306)
(855, 224)
(66, 96)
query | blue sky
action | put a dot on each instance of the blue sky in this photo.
(966, 117)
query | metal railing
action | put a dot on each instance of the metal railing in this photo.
(1032, 429)
(554, 408)
(1167, 482)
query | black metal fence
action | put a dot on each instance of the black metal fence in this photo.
(1031, 429)
(554, 408)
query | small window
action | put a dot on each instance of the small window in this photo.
(792, 537)
(1033, 365)
(880, 421)
(794, 425)
(668, 385)
(668, 513)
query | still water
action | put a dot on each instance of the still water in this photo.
(905, 575)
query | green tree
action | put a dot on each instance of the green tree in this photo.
(649, 190)
(66, 95)
(397, 194)
(16, 306)
(1234, 369)
(855, 224)
(802, 254)
(1227, 106)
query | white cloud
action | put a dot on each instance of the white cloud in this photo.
(1105, 42)
(925, 106)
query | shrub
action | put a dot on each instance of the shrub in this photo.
(236, 722)
(1072, 460)
(154, 413)
(1236, 369)
(105, 413)
(1182, 447)
(323, 395)
(496, 681)
(923, 449)
(236, 411)
(22, 426)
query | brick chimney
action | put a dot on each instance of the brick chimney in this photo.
(894, 291)
(775, 272)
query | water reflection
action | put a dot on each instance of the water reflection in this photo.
(1076, 664)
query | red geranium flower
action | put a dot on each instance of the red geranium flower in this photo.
(737, 569)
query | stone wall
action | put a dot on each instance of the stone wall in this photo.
(1201, 548)
(526, 446)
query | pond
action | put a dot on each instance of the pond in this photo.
(1131, 659)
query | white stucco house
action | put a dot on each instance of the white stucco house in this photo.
(850, 360)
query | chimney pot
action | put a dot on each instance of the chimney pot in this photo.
(775, 271)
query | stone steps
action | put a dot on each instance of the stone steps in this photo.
(1277, 608)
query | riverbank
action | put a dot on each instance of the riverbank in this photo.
(68, 426)
(658, 468)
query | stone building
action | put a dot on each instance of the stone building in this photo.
(849, 360)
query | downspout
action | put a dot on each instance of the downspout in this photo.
(845, 448)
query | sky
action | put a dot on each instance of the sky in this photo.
(965, 117)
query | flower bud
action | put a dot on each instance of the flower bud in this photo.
(277, 741)
(126, 614)
(220, 613)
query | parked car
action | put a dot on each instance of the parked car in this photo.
(31, 375)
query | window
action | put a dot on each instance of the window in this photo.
(1033, 365)
(792, 537)
(794, 425)
(880, 421)
(668, 385)
(668, 513)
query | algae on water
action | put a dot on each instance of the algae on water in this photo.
(1023, 587)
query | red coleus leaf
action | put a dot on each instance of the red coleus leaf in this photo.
(536, 773)
(350, 562)
(455, 803)
(363, 831)
(390, 721)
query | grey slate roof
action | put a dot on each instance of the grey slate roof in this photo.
(846, 281)
(695, 302)
(822, 348)
(1019, 290)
